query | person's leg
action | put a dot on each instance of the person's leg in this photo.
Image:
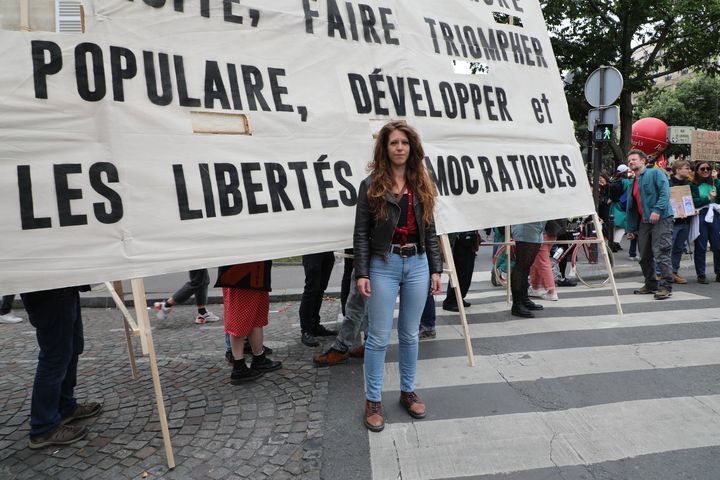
(327, 262)
(700, 252)
(632, 250)
(661, 248)
(541, 262)
(414, 290)
(714, 236)
(355, 313)
(188, 289)
(6, 304)
(346, 280)
(679, 237)
(228, 347)
(427, 318)
(385, 278)
(256, 340)
(464, 259)
(647, 262)
(313, 289)
(53, 314)
(525, 254)
(68, 403)
(201, 280)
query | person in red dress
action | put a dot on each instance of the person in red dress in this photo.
(246, 295)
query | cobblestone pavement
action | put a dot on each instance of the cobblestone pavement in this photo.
(270, 429)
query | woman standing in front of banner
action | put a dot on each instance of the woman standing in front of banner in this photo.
(396, 252)
(704, 189)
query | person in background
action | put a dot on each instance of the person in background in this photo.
(6, 315)
(57, 319)
(528, 239)
(542, 280)
(618, 192)
(427, 320)
(650, 219)
(464, 250)
(704, 191)
(246, 297)
(681, 228)
(318, 268)
(396, 253)
(198, 286)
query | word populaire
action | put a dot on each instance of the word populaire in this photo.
(261, 89)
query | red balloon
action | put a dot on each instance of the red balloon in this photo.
(649, 135)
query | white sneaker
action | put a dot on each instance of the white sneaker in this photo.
(553, 297)
(162, 310)
(536, 293)
(10, 318)
(202, 319)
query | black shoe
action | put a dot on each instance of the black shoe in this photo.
(321, 331)
(466, 304)
(702, 279)
(264, 364)
(83, 410)
(520, 310)
(566, 282)
(645, 290)
(247, 349)
(309, 339)
(717, 277)
(450, 308)
(229, 358)
(530, 305)
(241, 373)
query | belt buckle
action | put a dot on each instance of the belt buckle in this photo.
(407, 251)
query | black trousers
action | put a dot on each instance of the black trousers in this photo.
(525, 253)
(464, 257)
(347, 278)
(318, 268)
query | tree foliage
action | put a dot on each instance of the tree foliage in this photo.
(643, 39)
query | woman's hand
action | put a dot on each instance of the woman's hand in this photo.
(435, 284)
(363, 286)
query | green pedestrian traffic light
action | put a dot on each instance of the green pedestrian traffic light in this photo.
(603, 132)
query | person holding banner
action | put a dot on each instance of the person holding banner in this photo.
(396, 252)
(704, 188)
(246, 297)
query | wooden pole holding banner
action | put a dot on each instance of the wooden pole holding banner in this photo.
(452, 272)
(141, 313)
(24, 16)
(131, 329)
(606, 259)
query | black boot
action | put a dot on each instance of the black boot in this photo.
(264, 364)
(530, 305)
(520, 310)
(241, 373)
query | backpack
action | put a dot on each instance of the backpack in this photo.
(616, 190)
(622, 202)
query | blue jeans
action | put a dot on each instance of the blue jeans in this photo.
(427, 320)
(680, 236)
(355, 319)
(409, 277)
(632, 251)
(55, 314)
(711, 232)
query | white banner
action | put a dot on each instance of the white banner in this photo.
(107, 169)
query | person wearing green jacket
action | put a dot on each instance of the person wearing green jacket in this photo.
(704, 189)
(650, 220)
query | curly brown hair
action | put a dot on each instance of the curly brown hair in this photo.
(416, 176)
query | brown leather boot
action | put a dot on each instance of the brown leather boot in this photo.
(678, 279)
(330, 358)
(357, 352)
(412, 403)
(374, 419)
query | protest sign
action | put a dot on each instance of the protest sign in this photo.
(107, 169)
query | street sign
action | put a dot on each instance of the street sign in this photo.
(603, 86)
(603, 132)
(611, 115)
(680, 135)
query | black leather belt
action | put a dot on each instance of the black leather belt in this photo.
(405, 250)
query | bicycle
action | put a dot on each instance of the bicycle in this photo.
(587, 263)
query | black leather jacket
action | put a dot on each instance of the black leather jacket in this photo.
(374, 236)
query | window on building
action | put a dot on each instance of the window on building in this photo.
(69, 16)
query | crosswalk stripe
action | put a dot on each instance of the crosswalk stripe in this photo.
(492, 307)
(526, 441)
(566, 324)
(529, 366)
